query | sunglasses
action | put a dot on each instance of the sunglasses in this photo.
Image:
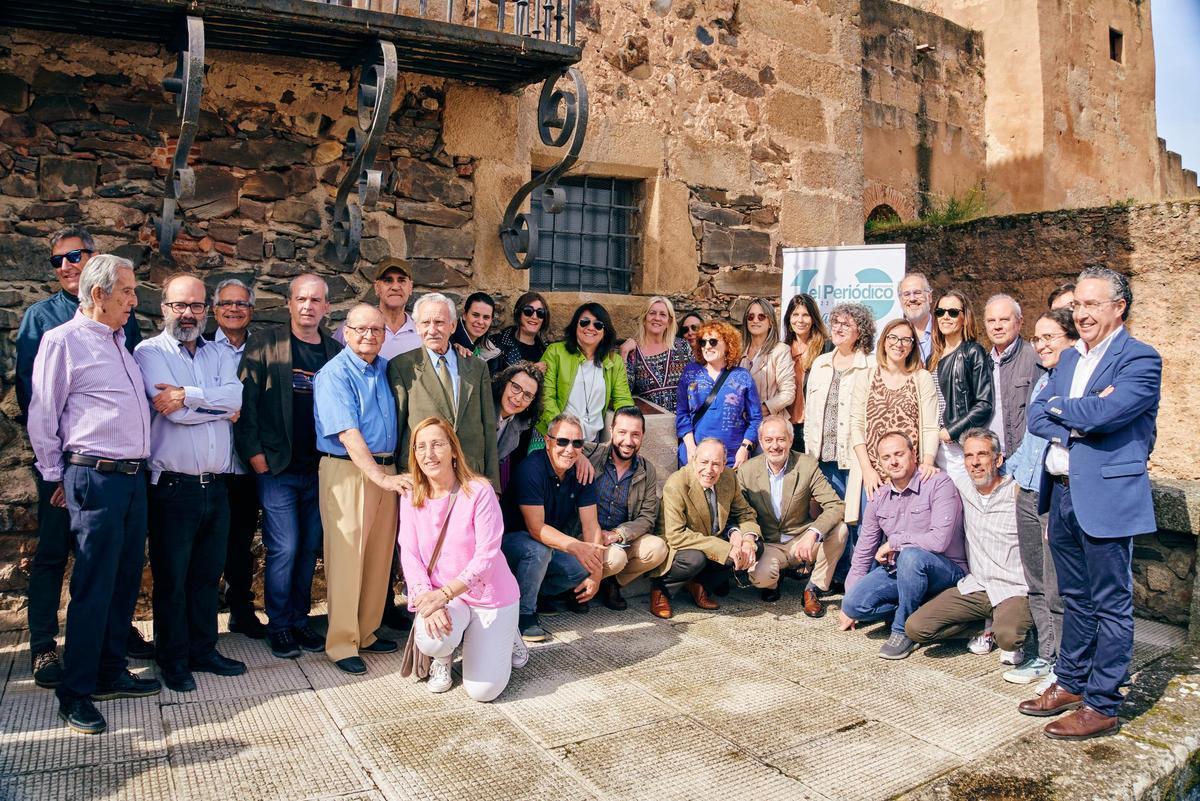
(691, 329)
(563, 442)
(954, 313)
(73, 256)
(756, 317)
(709, 342)
(589, 323)
(533, 311)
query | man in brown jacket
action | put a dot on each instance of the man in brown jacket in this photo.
(709, 528)
(781, 486)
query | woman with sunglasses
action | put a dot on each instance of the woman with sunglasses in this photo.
(808, 339)
(716, 398)
(689, 327)
(585, 376)
(517, 396)
(1053, 333)
(655, 359)
(897, 395)
(963, 379)
(768, 360)
(525, 339)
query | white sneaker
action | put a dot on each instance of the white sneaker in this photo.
(1046, 682)
(1012, 657)
(982, 643)
(440, 679)
(520, 653)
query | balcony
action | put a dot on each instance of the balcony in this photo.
(499, 43)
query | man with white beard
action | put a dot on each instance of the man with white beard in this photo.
(194, 397)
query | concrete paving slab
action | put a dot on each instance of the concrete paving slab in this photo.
(474, 753)
(642, 640)
(112, 781)
(376, 696)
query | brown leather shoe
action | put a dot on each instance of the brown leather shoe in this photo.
(700, 596)
(610, 595)
(1082, 724)
(660, 605)
(812, 604)
(1054, 701)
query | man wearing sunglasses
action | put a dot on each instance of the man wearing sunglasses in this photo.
(70, 250)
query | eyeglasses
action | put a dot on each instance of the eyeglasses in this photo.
(914, 293)
(432, 445)
(366, 330)
(840, 324)
(237, 304)
(1046, 339)
(588, 322)
(533, 311)
(892, 339)
(517, 392)
(563, 442)
(954, 313)
(179, 307)
(756, 317)
(709, 342)
(1091, 306)
(73, 256)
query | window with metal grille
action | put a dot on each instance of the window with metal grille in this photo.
(592, 244)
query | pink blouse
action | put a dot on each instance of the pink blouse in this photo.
(471, 552)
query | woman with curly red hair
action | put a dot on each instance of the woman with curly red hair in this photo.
(716, 398)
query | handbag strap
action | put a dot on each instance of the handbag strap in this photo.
(437, 549)
(712, 395)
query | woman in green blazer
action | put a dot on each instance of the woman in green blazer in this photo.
(585, 376)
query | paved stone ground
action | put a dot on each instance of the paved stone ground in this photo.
(749, 702)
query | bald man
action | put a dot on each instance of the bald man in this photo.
(194, 397)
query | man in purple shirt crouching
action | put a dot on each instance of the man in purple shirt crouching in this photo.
(910, 545)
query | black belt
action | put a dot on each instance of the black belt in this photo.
(386, 461)
(203, 479)
(129, 467)
(1060, 480)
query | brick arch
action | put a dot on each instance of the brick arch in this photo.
(878, 194)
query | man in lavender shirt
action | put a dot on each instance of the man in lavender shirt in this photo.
(89, 425)
(910, 545)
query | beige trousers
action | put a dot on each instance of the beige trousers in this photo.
(359, 520)
(777, 557)
(643, 554)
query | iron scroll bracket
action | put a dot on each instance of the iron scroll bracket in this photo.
(187, 84)
(518, 230)
(376, 91)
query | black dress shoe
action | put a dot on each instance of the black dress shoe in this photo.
(215, 663)
(308, 639)
(771, 594)
(283, 645)
(47, 669)
(247, 623)
(82, 716)
(126, 685)
(178, 678)
(574, 605)
(352, 665)
(610, 595)
(381, 646)
(136, 647)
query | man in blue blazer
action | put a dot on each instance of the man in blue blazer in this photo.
(1098, 412)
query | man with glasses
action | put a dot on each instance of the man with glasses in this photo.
(70, 250)
(356, 435)
(393, 287)
(276, 436)
(194, 398)
(1015, 369)
(233, 308)
(916, 296)
(542, 504)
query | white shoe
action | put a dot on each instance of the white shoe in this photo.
(520, 653)
(982, 643)
(440, 679)
(1012, 657)
(1046, 682)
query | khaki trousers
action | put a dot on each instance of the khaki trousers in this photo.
(777, 557)
(359, 520)
(951, 614)
(643, 554)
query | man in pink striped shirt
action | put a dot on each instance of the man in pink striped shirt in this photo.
(89, 425)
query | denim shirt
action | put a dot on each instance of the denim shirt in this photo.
(1025, 463)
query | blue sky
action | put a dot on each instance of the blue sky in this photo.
(1176, 25)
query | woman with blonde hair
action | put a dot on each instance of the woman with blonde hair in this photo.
(717, 398)
(655, 358)
(459, 583)
(768, 360)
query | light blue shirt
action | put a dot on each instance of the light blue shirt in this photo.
(451, 362)
(231, 363)
(350, 393)
(1025, 464)
(199, 437)
(776, 482)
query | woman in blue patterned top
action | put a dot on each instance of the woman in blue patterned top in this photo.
(734, 411)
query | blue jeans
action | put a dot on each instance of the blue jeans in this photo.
(883, 593)
(292, 540)
(538, 568)
(837, 479)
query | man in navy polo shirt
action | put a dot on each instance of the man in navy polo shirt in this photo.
(540, 505)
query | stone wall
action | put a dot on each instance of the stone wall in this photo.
(923, 109)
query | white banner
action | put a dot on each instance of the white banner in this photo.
(866, 274)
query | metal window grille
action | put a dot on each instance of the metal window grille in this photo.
(592, 244)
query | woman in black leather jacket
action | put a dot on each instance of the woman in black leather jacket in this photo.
(962, 372)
